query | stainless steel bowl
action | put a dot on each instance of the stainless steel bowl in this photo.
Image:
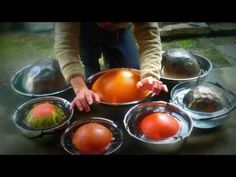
(203, 119)
(94, 77)
(170, 145)
(205, 67)
(43, 78)
(30, 132)
(117, 139)
(179, 63)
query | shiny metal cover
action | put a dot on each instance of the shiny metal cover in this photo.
(43, 78)
(205, 68)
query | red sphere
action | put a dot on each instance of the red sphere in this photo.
(159, 126)
(44, 109)
(92, 138)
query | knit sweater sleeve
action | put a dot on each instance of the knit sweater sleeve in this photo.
(148, 38)
(66, 49)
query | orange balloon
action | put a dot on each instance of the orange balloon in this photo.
(119, 86)
(92, 138)
(159, 126)
(44, 109)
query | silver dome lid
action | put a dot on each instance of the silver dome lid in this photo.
(203, 62)
(42, 78)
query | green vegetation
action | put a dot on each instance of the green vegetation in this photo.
(19, 45)
(19, 49)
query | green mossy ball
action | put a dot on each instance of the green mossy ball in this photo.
(44, 116)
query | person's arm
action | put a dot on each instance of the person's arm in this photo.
(149, 42)
(66, 49)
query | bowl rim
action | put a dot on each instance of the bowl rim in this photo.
(18, 75)
(94, 77)
(89, 120)
(158, 142)
(41, 132)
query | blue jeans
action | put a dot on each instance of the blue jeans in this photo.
(118, 48)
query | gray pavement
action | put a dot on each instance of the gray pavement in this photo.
(229, 52)
(190, 29)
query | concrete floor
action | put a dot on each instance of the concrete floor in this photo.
(18, 49)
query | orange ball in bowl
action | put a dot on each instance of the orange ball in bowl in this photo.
(159, 126)
(92, 138)
(44, 115)
(44, 109)
(119, 86)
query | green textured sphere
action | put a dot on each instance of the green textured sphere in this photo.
(45, 116)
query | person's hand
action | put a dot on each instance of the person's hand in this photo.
(84, 97)
(152, 84)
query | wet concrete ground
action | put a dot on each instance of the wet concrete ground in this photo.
(18, 49)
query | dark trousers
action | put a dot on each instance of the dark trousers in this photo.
(118, 48)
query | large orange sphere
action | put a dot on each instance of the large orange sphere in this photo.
(92, 138)
(119, 86)
(159, 126)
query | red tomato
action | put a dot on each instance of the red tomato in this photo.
(159, 126)
(119, 86)
(42, 110)
(92, 138)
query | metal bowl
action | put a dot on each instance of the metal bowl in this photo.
(43, 78)
(169, 145)
(203, 119)
(123, 89)
(179, 63)
(117, 140)
(23, 110)
(205, 67)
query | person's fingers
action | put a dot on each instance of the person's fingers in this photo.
(139, 84)
(78, 104)
(160, 87)
(152, 84)
(83, 102)
(73, 103)
(148, 83)
(85, 99)
(164, 87)
(150, 80)
(144, 81)
(96, 98)
(144, 87)
(89, 98)
(157, 88)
